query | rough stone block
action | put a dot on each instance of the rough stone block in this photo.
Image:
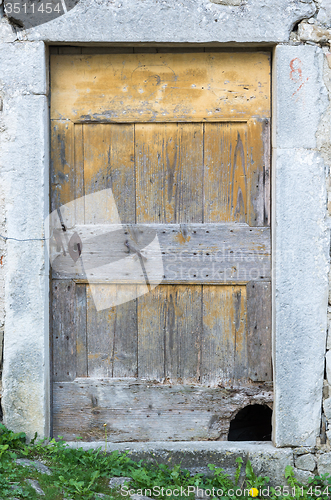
(303, 450)
(300, 260)
(302, 475)
(324, 12)
(24, 173)
(313, 33)
(328, 344)
(23, 68)
(152, 21)
(195, 456)
(116, 482)
(306, 462)
(272, 464)
(300, 95)
(328, 366)
(34, 464)
(324, 463)
(327, 408)
(326, 389)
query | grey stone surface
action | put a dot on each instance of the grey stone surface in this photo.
(306, 462)
(140, 497)
(324, 464)
(327, 408)
(188, 21)
(313, 33)
(300, 96)
(328, 344)
(303, 450)
(302, 475)
(115, 482)
(324, 12)
(34, 464)
(328, 366)
(36, 486)
(272, 464)
(24, 176)
(195, 456)
(23, 68)
(300, 287)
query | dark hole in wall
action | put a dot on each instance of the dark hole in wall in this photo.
(252, 423)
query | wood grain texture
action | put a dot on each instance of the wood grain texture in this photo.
(112, 333)
(151, 318)
(169, 165)
(223, 357)
(183, 330)
(225, 172)
(259, 173)
(100, 335)
(160, 87)
(192, 253)
(144, 411)
(68, 332)
(109, 163)
(81, 341)
(62, 163)
(259, 331)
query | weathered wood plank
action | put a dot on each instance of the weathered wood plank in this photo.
(79, 191)
(112, 332)
(191, 253)
(144, 411)
(109, 163)
(151, 319)
(183, 325)
(81, 342)
(160, 87)
(169, 159)
(62, 164)
(259, 173)
(259, 331)
(100, 337)
(65, 321)
(223, 337)
(225, 172)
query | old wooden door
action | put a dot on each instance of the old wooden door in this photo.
(181, 142)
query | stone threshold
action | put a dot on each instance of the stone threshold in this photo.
(195, 456)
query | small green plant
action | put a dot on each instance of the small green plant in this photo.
(81, 474)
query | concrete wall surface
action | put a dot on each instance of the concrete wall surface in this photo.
(300, 32)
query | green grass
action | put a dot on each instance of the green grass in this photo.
(78, 474)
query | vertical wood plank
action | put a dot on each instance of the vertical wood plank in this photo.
(81, 343)
(259, 331)
(100, 338)
(259, 173)
(183, 318)
(151, 334)
(125, 362)
(169, 167)
(109, 163)
(64, 330)
(62, 163)
(223, 338)
(112, 333)
(79, 171)
(225, 172)
(239, 320)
